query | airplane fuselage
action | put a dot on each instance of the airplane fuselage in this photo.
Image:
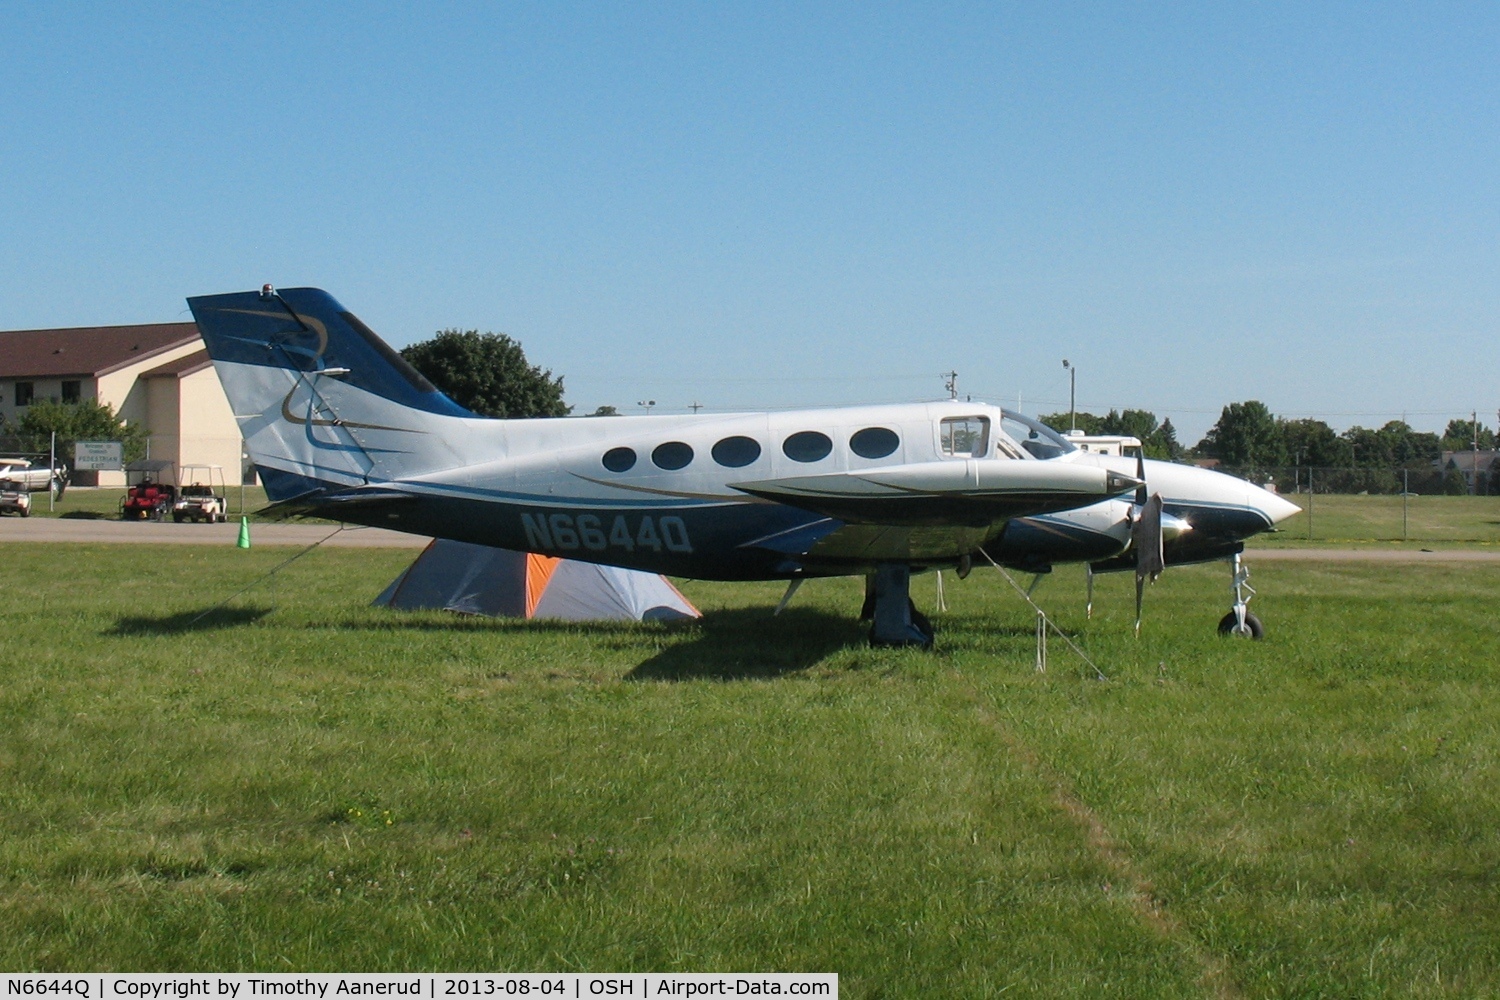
(340, 426)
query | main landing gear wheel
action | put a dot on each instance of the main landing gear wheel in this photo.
(897, 622)
(1252, 628)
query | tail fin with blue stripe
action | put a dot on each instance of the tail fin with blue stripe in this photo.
(323, 403)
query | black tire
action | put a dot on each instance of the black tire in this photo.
(1228, 623)
(176, 517)
(25, 511)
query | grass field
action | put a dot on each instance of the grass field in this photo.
(304, 782)
(105, 502)
(1334, 519)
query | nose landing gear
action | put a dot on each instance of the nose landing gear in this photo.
(1240, 621)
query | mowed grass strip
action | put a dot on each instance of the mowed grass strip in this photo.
(92, 502)
(301, 781)
(1339, 519)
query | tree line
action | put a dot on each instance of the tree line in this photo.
(1249, 436)
(488, 373)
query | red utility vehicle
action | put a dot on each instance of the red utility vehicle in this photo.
(151, 497)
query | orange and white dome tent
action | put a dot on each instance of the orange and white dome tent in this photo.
(480, 580)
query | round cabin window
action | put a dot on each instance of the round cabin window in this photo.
(619, 459)
(874, 442)
(736, 452)
(672, 456)
(807, 446)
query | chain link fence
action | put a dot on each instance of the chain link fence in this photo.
(1423, 481)
(1423, 504)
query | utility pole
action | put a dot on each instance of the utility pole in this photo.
(1072, 396)
(1474, 459)
(695, 406)
(950, 382)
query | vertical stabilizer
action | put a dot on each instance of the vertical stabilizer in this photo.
(321, 400)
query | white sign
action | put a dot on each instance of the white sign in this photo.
(98, 456)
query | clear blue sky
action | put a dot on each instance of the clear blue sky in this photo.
(764, 205)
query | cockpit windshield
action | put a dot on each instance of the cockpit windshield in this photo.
(1039, 440)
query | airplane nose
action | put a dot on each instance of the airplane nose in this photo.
(1275, 507)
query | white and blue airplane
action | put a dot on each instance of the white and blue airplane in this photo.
(339, 425)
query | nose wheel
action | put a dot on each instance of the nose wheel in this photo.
(1240, 621)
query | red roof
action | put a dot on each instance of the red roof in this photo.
(86, 350)
(178, 367)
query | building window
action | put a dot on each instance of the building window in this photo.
(24, 391)
(72, 391)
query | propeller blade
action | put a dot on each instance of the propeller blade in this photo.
(1145, 538)
(1140, 473)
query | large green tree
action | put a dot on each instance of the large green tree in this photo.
(1313, 443)
(1159, 440)
(1088, 423)
(84, 420)
(1246, 436)
(1459, 435)
(1394, 445)
(489, 374)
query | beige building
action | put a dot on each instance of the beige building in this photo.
(156, 376)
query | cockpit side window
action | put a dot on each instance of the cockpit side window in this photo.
(1039, 440)
(965, 437)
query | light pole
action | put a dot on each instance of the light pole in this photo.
(647, 403)
(1072, 396)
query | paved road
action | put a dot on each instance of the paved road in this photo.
(51, 529)
(54, 529)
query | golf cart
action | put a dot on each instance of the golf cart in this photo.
(199, 500)
(15, 498)
(151, 496)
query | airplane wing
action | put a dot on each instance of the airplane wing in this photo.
(969, 493)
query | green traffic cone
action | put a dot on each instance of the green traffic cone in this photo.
(244, 540)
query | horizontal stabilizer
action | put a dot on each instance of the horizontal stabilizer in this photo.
(327, 503)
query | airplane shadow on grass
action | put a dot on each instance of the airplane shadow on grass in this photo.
(743, 643)
(738, 644)
(202, 620)
(746, 643)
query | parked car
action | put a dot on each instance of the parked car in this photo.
(32, 477)
(14, 498)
